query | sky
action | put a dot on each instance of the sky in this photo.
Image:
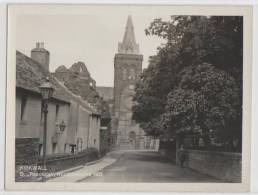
(90, 38)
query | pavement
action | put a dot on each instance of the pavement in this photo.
(134, 166)
(82, 172)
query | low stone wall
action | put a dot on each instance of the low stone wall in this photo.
(222, 165)
(61, 162)
(28, 172)
(26, 154)
(168, 150)
(26, 150)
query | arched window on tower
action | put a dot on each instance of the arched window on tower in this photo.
(132, 73)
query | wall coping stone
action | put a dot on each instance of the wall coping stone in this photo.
(236, 154)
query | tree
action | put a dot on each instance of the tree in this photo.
(206, 98)
(201, 63)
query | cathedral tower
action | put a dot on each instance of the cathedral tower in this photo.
(128, 67)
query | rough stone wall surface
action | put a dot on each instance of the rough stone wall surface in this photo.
(26, 150)
(105, 92)
(26, 153)
(94, 136)
(222, 165)
(128, 68)
(123, 64)
(54, 164)
(57, 163)
(78, 80)
(41, 57)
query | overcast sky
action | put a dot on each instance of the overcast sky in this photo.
(92, 39)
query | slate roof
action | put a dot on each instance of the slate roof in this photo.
(31, 74)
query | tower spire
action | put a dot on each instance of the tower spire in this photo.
(129, 45)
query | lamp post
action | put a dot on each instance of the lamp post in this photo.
(46, 91)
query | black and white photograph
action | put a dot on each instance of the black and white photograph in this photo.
(128, 94)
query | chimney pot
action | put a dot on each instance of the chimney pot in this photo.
(37, 45)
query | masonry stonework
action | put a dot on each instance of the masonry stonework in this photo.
(226, 166)
(128, 67)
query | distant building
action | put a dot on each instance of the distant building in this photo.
(105, 92)
(82, 120)
(128, 67)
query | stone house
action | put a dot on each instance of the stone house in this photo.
(81, 119)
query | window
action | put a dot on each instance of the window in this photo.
(57, 111)
(54, 147)
(40, 149)
(65, 145)
(132, 74)
(23, 106)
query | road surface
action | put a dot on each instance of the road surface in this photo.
(146, 166)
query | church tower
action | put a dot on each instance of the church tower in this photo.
(127, 67)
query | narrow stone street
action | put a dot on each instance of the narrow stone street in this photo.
(146, 166)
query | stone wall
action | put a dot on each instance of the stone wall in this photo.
(168, 149)
(54, 163)
(94, 136)
(222, 165)
(78, 80)
(26, 150)
(61, 162)
(26, 153)
(105, 92)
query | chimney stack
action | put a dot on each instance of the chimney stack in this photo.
(40, 55)
(37, 45)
